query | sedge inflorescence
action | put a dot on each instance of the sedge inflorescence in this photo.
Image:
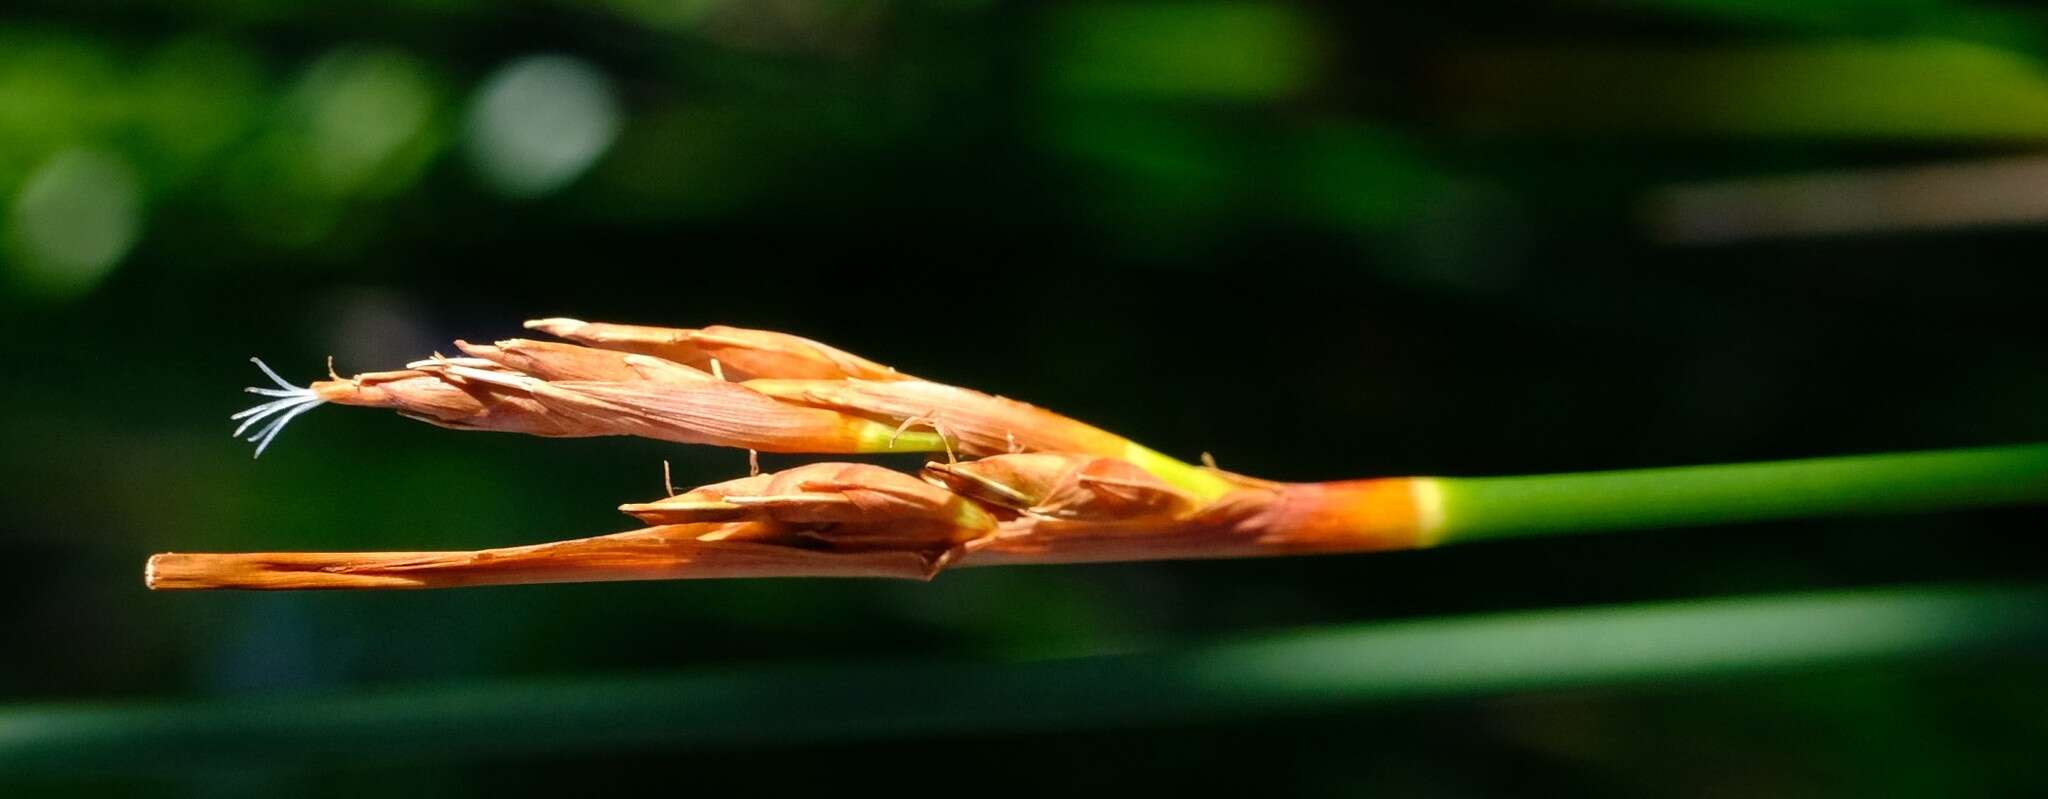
(1008, 482)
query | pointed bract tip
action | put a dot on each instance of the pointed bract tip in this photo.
(439, 362)
(561, 326)
(482, 350)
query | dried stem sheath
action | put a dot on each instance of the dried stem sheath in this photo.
(656, 553)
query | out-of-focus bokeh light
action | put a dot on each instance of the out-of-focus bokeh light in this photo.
(365, 114)
(357, 125)
(73, 220)
(539, 122)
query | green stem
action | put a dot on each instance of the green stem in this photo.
(1505, 507)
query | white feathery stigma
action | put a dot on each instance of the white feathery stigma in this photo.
(290, 401)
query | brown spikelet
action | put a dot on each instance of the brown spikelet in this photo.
(661, 402)
(712, 412)
(849, 506)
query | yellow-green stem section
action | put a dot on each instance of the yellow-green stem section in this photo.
(1505, 507)
(875, 437)
(1201, 481)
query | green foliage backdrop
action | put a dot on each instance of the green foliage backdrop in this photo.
(1315, 240)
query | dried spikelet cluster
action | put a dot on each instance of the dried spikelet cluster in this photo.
(1034, 486)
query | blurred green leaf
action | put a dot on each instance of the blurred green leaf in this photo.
(1199, 51)
(1313, 671)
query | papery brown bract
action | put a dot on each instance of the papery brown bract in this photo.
(742, 354)
(549, 360)
(725, 414)
(460, 404)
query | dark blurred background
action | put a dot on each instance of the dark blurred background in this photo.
(1317, 241)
